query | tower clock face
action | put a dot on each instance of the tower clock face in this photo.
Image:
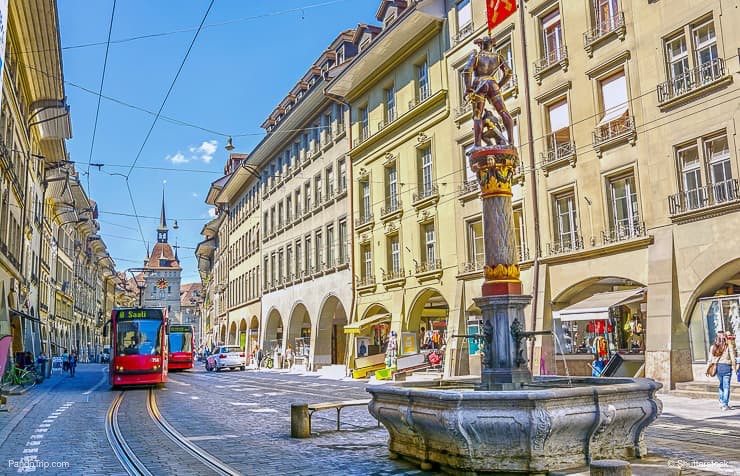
(162, 283)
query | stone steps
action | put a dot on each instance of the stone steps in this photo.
(701, 389)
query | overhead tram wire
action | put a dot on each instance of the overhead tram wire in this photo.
(161, 107)
(187, 30)
(100, 94)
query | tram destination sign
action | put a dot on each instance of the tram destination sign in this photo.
(174, 328)
(130, 314)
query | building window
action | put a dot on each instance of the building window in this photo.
(717, 152)
(394, 257)
(343, 241)
(367, 261)
(319, 250)
(329, 182)
(307, 197)
(692, 59)
(342, 167)
(364, 124)
(289, 262)
(688, 158)
(272, 220)
(566, 222)
(365, 199)
(265, 274)
(552, 36)
(280, 265)
(330, 245)
(504, 49)
(391, 188)
(426, 182)
(476, 256)
(520, 241)
(464, 15)
(280, 215)
(298, 257)
(390, 104)
(318, 189)
(558, 139)
(614, 100)
(607, 16)
(288, 209)
(623, 213)
(307, 246)
(265, 222)
(430, 247)
(423, 90)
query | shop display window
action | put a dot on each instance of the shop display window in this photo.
(710, 316)
(623, 332)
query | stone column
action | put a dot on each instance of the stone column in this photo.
(502, 304)
(503, 359)
(494, 167)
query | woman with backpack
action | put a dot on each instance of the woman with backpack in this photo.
(723, 354)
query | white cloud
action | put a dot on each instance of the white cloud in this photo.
(212, 212)
(178, 158)
(205, 150)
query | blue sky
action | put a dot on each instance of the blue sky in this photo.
(243, 63)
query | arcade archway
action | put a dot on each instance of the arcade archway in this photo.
(329, 342)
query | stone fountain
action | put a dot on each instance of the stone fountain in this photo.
(509, 421)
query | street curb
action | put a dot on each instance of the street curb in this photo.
(8, 430)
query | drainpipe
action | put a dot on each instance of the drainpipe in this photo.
(350, 220)
(533, 181)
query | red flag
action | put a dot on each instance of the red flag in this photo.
(497, 11)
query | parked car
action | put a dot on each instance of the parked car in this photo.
(231, 356)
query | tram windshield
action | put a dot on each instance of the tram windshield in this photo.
(139, 337)
(181, 341)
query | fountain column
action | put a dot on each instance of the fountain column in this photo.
(502, 302)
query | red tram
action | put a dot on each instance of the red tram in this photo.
(182, 347)
(138, 346)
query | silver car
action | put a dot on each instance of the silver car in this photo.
(231, 356)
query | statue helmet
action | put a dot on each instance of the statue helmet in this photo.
(484, 41)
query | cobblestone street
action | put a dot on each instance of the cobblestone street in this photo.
(243, 419)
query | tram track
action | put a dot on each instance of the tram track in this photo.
(127, 457)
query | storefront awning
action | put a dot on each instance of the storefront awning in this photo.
(356, 327)
(596, 307)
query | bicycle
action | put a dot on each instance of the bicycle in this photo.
(19, 376)
(267, 362)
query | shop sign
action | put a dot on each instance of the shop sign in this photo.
(408, 343)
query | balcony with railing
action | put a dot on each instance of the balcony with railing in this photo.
(468, 188)
(362, 135)
(366, 283)
(697, 199)
(710, 74)
(463, 32)
(560, 150)
(565, 246)
(426, 195)
(463, 109)
(428, 270)
(615, 131)
(339, 130)
(422, 94)
(326, 140)
(391, 209)
(470, 267)
(364, 222)
(623, 231)
(606, 28)
(551, 59)
(523, 254)
(394, 278)
(390, 117)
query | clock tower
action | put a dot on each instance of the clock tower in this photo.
(162, 272)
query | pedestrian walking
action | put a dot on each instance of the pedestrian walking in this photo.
(72, 363)
(65, 361)
(289, 356)
(724, 355)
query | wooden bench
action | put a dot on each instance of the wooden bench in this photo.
(314, 407)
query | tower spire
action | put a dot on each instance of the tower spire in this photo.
(162, 228)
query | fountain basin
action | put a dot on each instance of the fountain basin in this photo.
(542, 427)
